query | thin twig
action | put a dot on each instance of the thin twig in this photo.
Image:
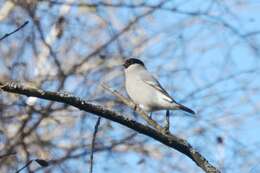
(17, 29)
(93, 144)
(25, 166)
(7, 154)
(41, 162)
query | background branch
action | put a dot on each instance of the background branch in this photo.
(17, 29)
(93, 144)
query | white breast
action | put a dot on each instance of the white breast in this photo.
(140, 92)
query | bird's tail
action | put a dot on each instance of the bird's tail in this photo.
(184, 108)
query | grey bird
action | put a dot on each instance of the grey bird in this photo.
(145, 91)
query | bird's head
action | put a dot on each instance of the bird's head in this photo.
(132, 61)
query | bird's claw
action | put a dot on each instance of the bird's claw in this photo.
(135, 107)
(167, 125)
(166, 130)
(151, 115)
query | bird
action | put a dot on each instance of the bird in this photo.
(146, 91)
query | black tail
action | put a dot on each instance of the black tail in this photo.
(184, 108)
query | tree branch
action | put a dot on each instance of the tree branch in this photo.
(7, 154)
(170, 140)
(93, 145)
(42, 163)
(17, 29)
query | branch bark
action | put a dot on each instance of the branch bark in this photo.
(170, 140)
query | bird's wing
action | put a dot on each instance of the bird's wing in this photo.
(151, 81)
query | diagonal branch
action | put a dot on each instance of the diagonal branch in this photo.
(7, 154)
(17, 29)
(170, 140)
(93, 145)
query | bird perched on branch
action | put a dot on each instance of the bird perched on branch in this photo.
(145, 91)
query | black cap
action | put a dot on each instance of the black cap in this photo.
(131, 61)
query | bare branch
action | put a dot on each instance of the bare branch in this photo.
(170, 140)
(25, 166)
(7, 154)
(42, 163)
(17, 29)
(93, 144)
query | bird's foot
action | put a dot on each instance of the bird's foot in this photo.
(135, 107)
(166, 128)
(151, 115)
